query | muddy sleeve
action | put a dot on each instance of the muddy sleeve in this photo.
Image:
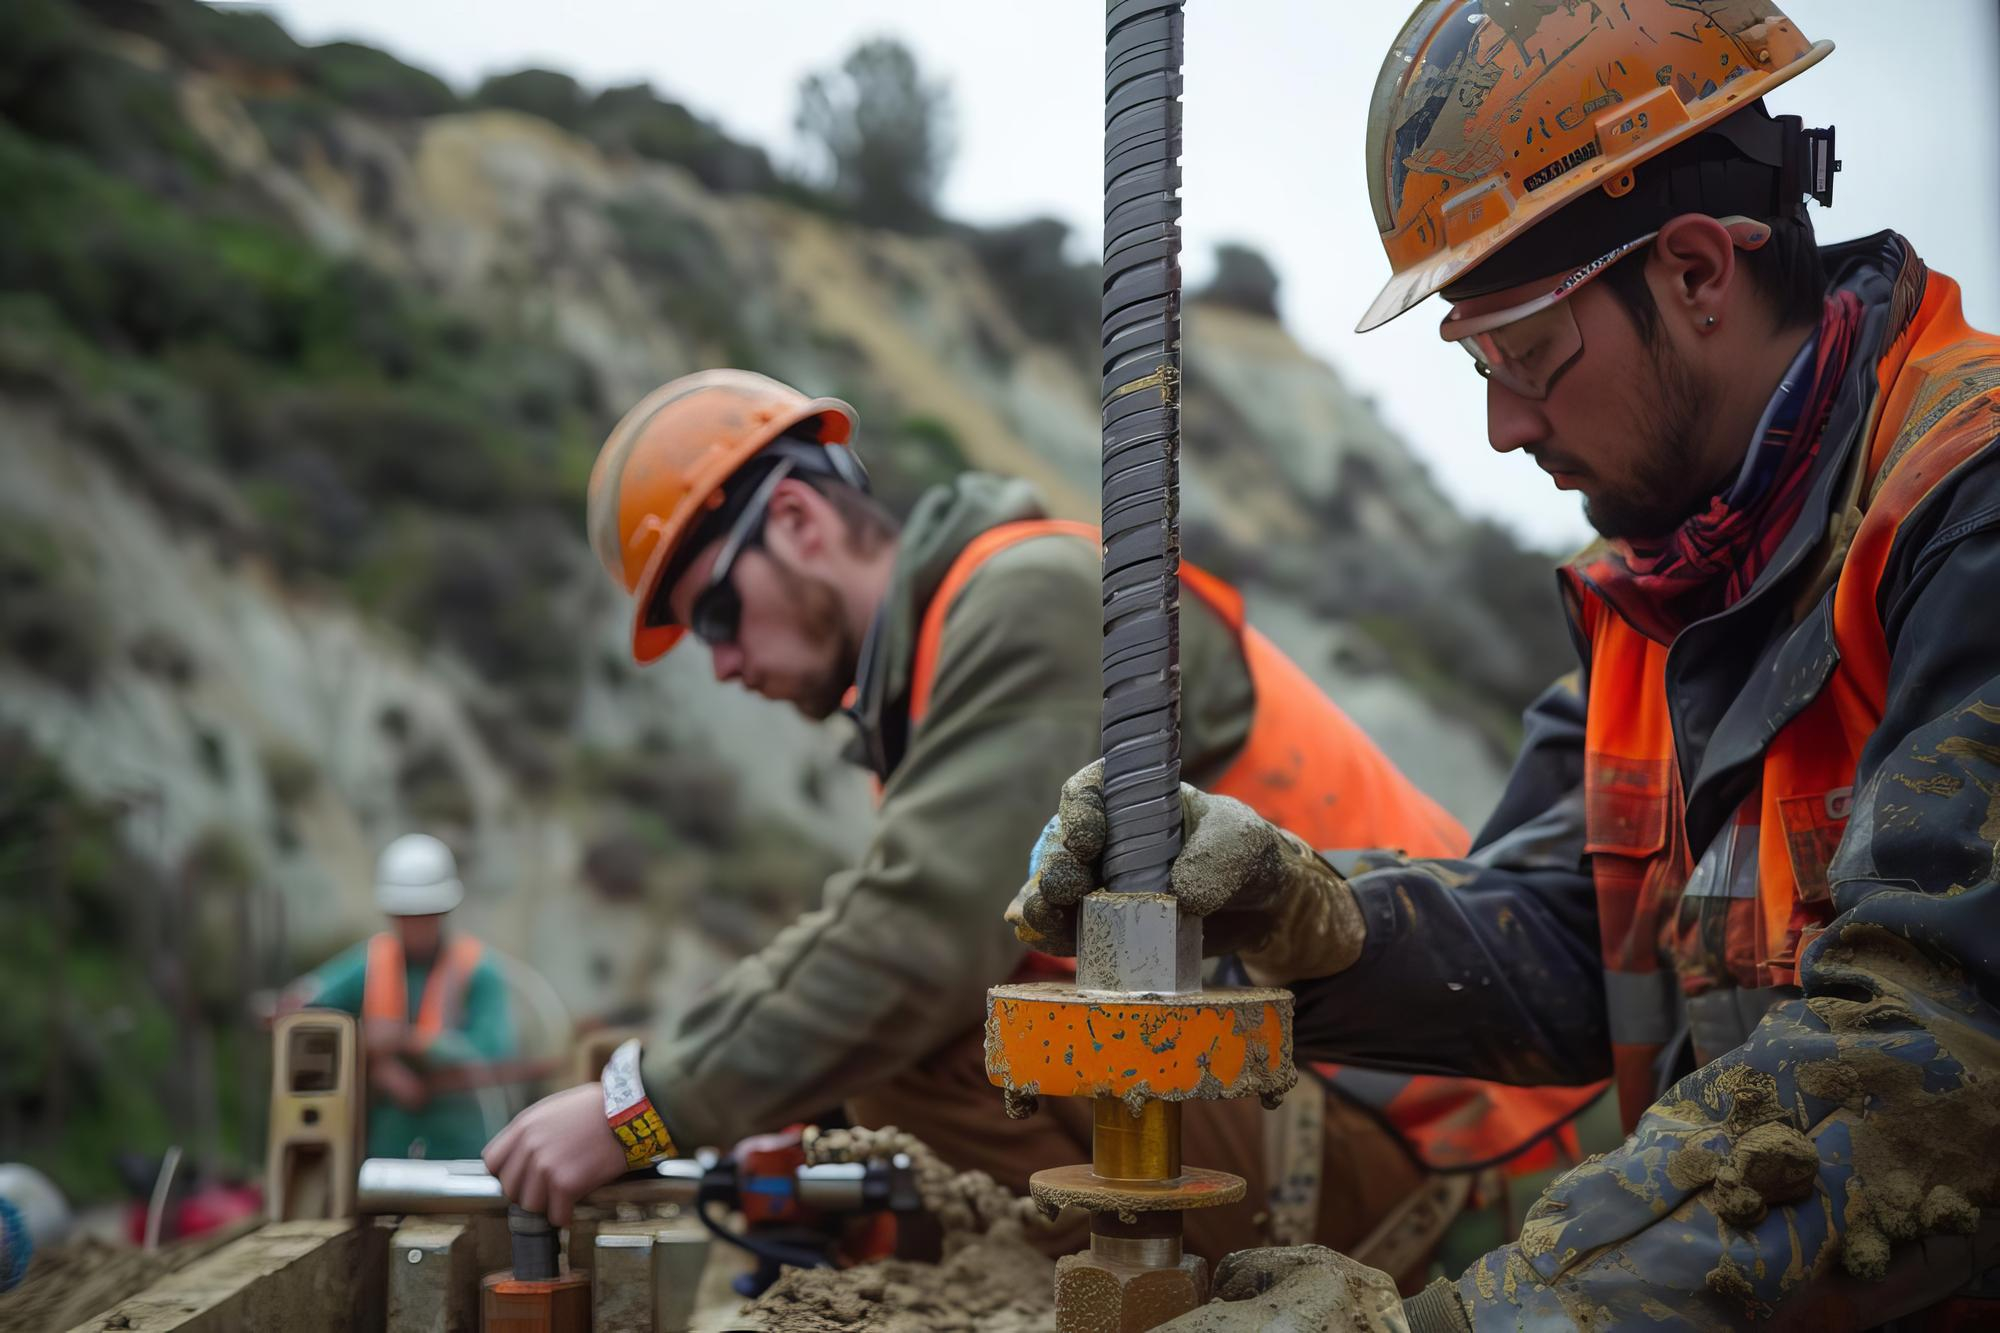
(1831, 1172)
(897, 961)
(1486, 967)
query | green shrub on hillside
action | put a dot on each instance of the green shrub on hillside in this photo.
(885, 134)
(1244, 280)
(536, 92)
(1052, 298)
(633, 119)
(105, 997)
(58, 83)
(365, 79)
(229, 39)
(44, 624)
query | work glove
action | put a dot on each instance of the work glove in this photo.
(1262, 893)
(1311, 1289)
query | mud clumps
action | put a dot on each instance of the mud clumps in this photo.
(991, 1277)
(1773, 1163)
(1769, 1161)
(1727, 1278)
(1946, 1210)
(965, 1203)
(1753, 1099)
(1692, 1167)
(1230, 849)
(993, 1284)
(1831, 1081)
(1922, 1124)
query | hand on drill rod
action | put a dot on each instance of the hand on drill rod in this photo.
(1261, 892)
(556, 1151)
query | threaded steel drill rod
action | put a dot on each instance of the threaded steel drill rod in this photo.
(1141, 442)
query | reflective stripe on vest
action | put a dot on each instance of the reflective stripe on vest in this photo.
(1307, 767)
(1938, 388)
(385, 999)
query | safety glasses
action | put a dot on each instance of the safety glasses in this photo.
(1526, 348)
(716, 615)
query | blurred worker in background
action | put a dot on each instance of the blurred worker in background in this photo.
(433, 1006)
(966, 645)
(1746, 861)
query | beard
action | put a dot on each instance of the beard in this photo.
(1667, 486)
(816, 609)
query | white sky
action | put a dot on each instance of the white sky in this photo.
(1277, 94)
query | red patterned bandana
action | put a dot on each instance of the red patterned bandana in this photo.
(1714, 558)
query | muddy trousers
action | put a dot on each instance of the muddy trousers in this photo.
(946, 1101)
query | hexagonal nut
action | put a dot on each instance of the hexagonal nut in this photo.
(1093, 1296)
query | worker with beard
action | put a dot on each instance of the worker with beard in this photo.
(967, 642)
(1746, 863)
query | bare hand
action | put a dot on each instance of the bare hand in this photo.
(557, 1151)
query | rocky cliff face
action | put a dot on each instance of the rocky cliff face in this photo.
(298, 396)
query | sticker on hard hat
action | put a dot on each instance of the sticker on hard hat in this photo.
(1562, 166)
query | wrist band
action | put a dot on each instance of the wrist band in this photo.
(638, 1126)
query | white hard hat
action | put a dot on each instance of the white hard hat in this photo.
(417, 876)
(41, 1205)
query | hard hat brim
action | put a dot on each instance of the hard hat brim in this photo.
(419, 899)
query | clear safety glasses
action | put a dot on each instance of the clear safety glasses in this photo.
(1526, 348)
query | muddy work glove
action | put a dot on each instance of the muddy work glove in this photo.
(1261, 892)
(1299, 1289)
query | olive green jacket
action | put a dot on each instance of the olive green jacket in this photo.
(896, 961)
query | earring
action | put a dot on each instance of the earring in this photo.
(1709, 322)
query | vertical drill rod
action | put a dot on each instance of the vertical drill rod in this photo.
(1141, 421)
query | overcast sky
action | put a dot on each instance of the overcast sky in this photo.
(1277, 93)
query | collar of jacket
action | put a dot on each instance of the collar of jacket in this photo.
(1884, 271)
(946, 518)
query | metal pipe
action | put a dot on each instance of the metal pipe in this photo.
(390, 1185)
(1146, 1146)
(534, 1245)
(1150, 1240)
(396, 1185)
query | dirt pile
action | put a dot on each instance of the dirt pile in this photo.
(995, 1283)
(991, 1280)
(964, 1202)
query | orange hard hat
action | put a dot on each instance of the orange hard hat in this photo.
(1490, 116)
(665, 467)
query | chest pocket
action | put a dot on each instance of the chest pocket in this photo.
(1630, 836)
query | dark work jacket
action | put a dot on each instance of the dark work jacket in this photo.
(1490, 967)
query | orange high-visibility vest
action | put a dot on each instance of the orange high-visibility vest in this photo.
(1939, 389)
(1307, 767)
(385, 999)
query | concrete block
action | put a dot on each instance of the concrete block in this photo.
(303, 1277)
(433, 1278)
